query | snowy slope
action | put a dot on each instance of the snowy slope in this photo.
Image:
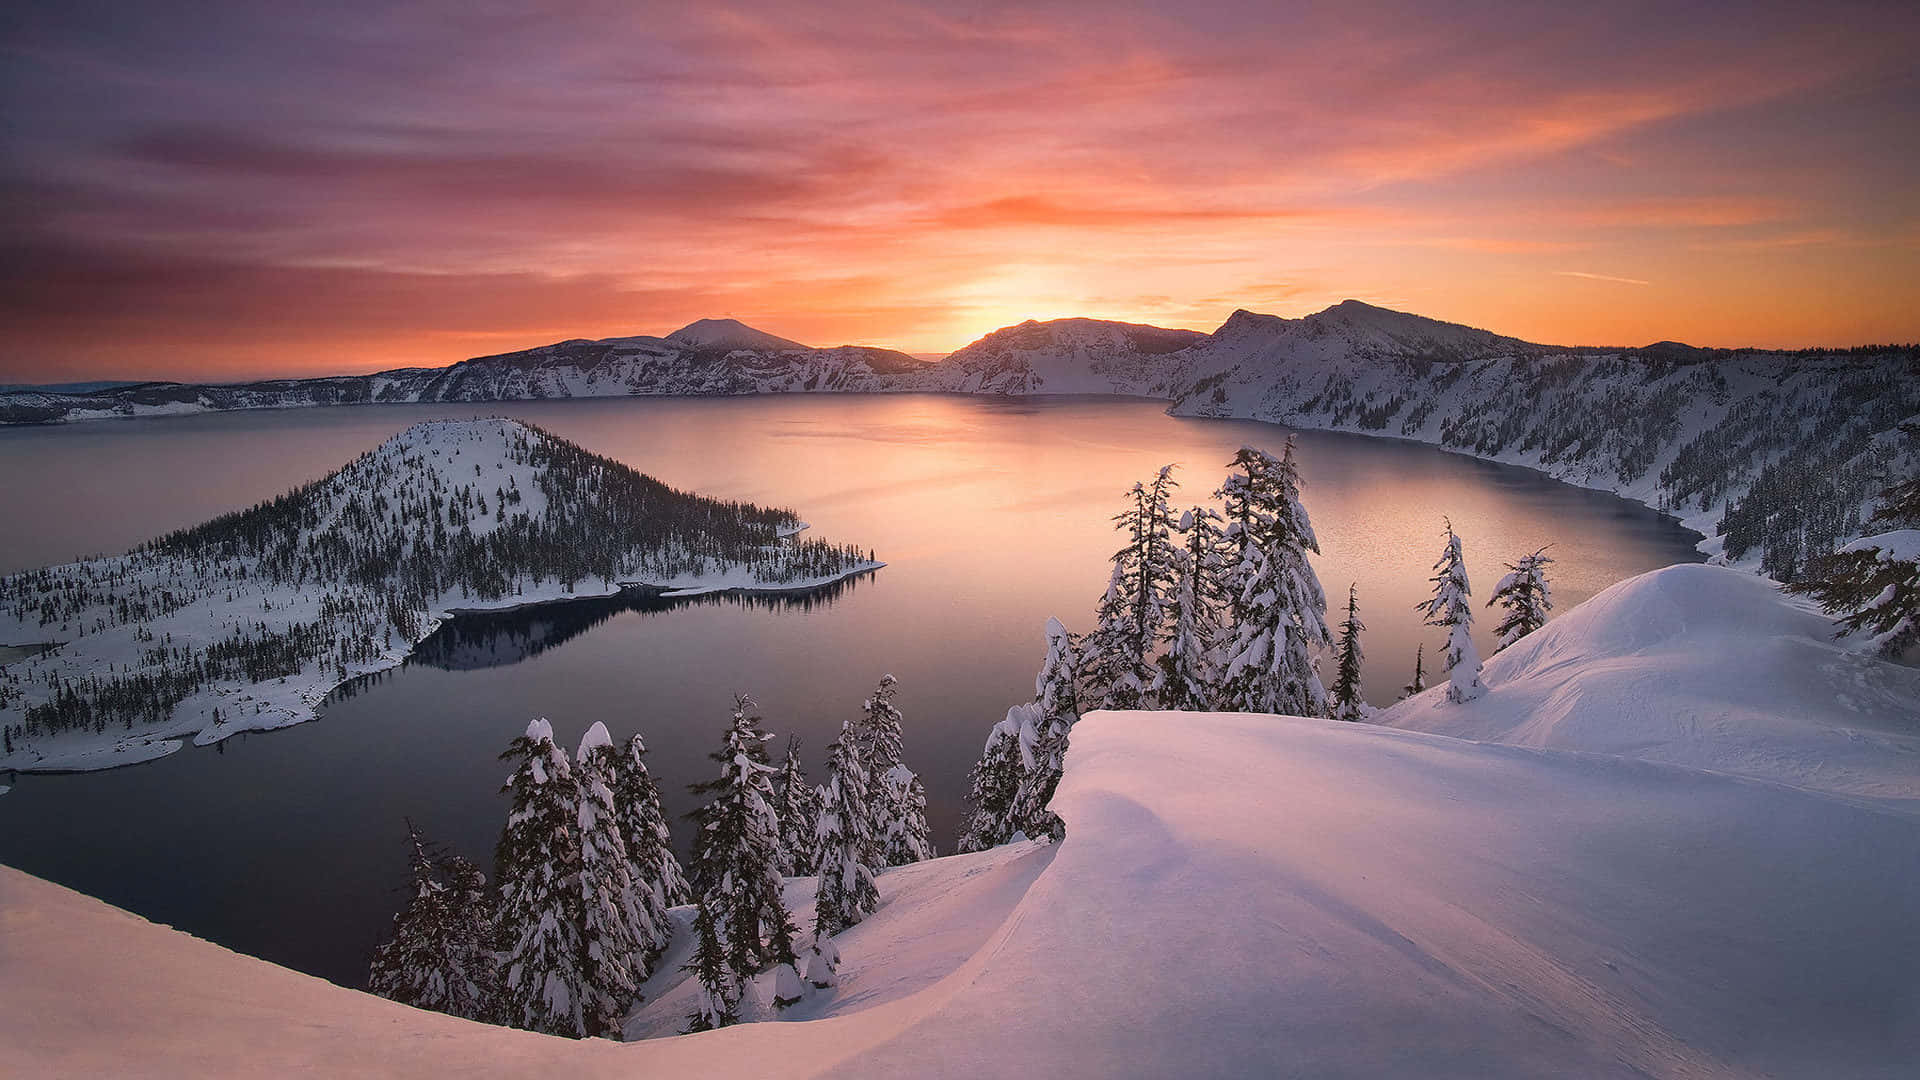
(1069, 356)
(730, 334)
(1237, 896)
(128, 622)
(1701, 666)
(1245, 895)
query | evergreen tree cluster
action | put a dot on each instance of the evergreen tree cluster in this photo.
(1219, 610)
(1872, 585)
(584, 874)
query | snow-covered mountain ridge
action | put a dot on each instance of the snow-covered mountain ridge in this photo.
(1780, 452)
(246, 622)
(1259, 895)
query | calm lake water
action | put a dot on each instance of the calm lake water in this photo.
(992, 514)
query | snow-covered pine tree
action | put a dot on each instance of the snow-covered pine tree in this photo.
(1276, 598)
(1057, 685)
(717, 1004)
(1419, 681)
(1452, 607)
(799, 808)
(616, 931)
(734, 863)
(896, 805)
(438, 957)
(1117, 656)
(649, 844)
(846, 892)
(1525, 595)
(993, 784)
(1187, 674)
(543, 986)
(1043, 753)
(1345, 695)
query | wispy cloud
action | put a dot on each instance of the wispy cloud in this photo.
(1601, 277)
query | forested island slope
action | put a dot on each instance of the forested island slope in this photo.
(246, 622)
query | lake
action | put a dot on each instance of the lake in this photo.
(992, 514)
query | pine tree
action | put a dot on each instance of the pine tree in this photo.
(1118, 656)
(540, 916)
(1187, 673)
(799, 808)
(438, 957)
(617, 929)
(993, 784)
(718, 1003)
(1525, 595)
(734, 850)
(1419, 681)
(1043, 750)
(846, 892)
(896, 806)
(649, 843)
(1345, 696)
(1451, 607)
(1279, 608)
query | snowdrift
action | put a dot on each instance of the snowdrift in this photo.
(1702, 666)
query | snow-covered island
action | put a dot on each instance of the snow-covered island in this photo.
(246, 623)
(1679, 835)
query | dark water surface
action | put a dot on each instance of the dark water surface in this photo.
(993, 515)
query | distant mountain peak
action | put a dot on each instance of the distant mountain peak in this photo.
(729, 334)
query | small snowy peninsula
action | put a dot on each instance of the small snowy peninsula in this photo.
(1677, 836)
(246, 622)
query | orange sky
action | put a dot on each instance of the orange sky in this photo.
(262, 190)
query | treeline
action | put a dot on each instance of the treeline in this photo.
(578, 919)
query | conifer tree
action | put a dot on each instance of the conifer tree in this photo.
(1419, 681)
(993, 784)
(543, 987)
(799, 808)
(1278, 604)
(1525, 595)
(1452, 608)
(1118, 654)
(718, 1002)
(1187, 674)
(734, 850)
(846, 892)
(617, 929)
(1043, 751)
(649, 843)
(896, 806)
(1345, 696)
(438, 957)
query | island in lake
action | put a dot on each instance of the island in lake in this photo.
(246, 622)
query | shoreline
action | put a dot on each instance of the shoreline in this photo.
(163, 740)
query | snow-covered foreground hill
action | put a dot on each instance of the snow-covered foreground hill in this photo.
(1245, 895)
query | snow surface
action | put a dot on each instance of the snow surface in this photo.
(1702, 666)
(1901, 545)
(1251, 895)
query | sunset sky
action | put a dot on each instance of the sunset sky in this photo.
(232, 190)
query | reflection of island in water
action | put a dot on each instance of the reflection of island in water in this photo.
(485, 639)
